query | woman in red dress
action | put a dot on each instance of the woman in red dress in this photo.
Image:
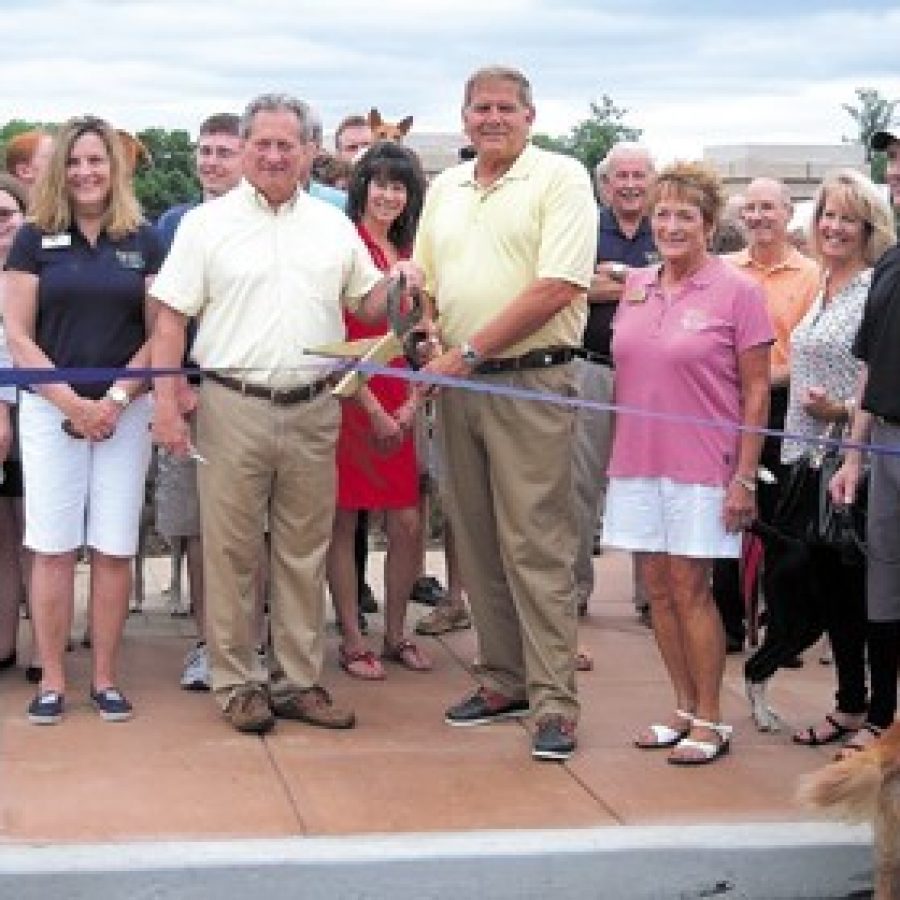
(376, 455)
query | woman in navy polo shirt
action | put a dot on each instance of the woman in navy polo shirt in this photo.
(78, 274)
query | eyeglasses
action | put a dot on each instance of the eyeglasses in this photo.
(6, 214)
(217, 152)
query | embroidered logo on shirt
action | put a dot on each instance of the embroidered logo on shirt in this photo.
(56, 241)
(694, 320)
(130, 259)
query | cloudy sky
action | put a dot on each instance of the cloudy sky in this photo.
(689, 73)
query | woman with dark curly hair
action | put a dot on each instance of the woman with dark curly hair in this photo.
(690, 342)
(376, 455)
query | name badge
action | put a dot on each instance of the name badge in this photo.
(55, 241)
(130, 259)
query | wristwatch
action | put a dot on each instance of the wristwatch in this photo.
(119, 396)
(746, 482)
(470, 356)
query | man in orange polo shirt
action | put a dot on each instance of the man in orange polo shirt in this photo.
(790, 281)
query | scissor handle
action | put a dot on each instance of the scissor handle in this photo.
(401, 322)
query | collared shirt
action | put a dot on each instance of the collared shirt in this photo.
(678, 354)
(879, 337)
(790, 287)
(91, 299)
(481, 247)
(821, 357)
(265, 284)
(613, 245)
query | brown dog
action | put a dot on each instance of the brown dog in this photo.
(388, 131)
(866, 787)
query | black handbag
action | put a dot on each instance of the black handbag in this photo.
(805, 512)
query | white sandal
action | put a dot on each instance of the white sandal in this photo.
(664, 736)
(709, 751)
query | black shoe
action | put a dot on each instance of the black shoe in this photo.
(367, 601)
(554, 739)
(427, 590)
(112, 705)
(485, 706)
(46, 708)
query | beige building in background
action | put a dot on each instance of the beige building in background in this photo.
(800, 166)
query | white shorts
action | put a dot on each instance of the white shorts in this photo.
(82, 493)
(658, 515)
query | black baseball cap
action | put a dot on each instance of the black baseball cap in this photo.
(881, 140)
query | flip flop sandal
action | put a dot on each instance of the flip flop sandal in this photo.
(853, 746)
(812, 738)
(664, 736)
(707, 750)
(362, 664)
(408, 655)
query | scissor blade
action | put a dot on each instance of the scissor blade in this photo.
(343, 349)
(383, 351)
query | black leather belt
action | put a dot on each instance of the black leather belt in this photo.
(534, 359)
(283, 397)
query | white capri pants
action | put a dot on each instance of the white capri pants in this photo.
(78, 492)
(658, 515)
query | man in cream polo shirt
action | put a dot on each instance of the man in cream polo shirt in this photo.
(507, 246)
(266, 270)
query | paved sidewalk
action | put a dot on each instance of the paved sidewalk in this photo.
(178, 771)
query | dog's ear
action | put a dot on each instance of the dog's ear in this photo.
(374, 118)
(404, 125)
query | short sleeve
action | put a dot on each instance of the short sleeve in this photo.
(569, 226)
(23, 255)
(181, 281)
(752, 324)
(362, 273)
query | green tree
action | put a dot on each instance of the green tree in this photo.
(873, 112)
(591, 139)
(171, 178)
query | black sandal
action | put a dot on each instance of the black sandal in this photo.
(811, 737)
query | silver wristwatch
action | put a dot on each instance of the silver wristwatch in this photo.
(119, 396)
(470, 356)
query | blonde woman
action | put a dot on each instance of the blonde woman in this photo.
(78, 274)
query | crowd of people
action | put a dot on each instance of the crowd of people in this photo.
(531, 280)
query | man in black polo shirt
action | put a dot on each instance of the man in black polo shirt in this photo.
(623, 240)
(877, 419)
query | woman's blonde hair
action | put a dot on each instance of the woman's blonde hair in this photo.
(691, 182)
(860, 198)
(51, 207)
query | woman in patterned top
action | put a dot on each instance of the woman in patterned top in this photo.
(852, 227)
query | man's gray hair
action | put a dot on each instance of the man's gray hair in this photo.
(307, 121)
(620, 149)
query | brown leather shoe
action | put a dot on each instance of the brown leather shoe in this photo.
(315, 707)
(248, 711)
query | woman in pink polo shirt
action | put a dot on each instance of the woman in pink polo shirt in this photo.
(691, 352)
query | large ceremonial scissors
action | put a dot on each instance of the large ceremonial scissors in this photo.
(402, 339)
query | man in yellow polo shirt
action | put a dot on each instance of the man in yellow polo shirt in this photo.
(507, 245)
(267, 270)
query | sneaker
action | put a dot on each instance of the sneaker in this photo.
(248, 711)
(554, 739)
(485, 706)
(443, 619)
(111, 704)
(196, 669)
(427, 590)
(315, 707)
(46, 708)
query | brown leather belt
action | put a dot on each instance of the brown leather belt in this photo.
(280, 397)
(534, 359)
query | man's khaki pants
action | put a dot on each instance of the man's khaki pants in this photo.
(508, 467)
(276, 464)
